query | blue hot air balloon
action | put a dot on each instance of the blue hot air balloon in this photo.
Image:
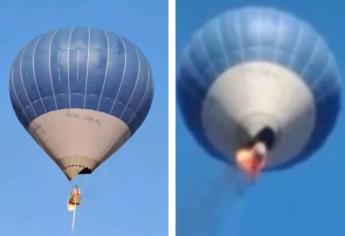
(81, 93)
(259, 75)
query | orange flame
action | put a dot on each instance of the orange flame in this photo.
(71, 207)
(250, 161)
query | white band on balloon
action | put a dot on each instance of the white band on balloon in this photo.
(252, 95)
(78, 138)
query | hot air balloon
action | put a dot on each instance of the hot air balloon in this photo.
(80, 93)
(259, 88)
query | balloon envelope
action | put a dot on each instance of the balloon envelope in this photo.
(81, 93)
(258, 66)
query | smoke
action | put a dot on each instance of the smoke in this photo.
(209, 208)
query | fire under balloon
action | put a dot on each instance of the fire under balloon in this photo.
(252, 159)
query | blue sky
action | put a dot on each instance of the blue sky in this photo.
(127, 195)
(304, 200)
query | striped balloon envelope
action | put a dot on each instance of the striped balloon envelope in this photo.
(258, 73)
(80, 93)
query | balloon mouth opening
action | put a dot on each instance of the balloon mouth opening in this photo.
(266, 136)
(72, 172)
(85, 171)
(77, 165)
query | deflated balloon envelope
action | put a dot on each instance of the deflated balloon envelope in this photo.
(81, 93)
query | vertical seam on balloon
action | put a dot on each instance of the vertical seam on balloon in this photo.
(338, 74)
(239, 36)
(106, 69)
(142, 99)
(311, 57)
(123, 75)
(221, 40)
(15, 93)
(191, 91)
(59, 73)
(276, 47)
(34, 72)
(78, 58)
(333, 85)
(135, 85)
(49, 65)
(297, 45)
(202, 81)
(21, 77)
(259, 31)
(205, 50)
(325, 69)
(68, 67)
(87, 64)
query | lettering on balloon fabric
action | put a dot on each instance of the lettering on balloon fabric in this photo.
(88, 118)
